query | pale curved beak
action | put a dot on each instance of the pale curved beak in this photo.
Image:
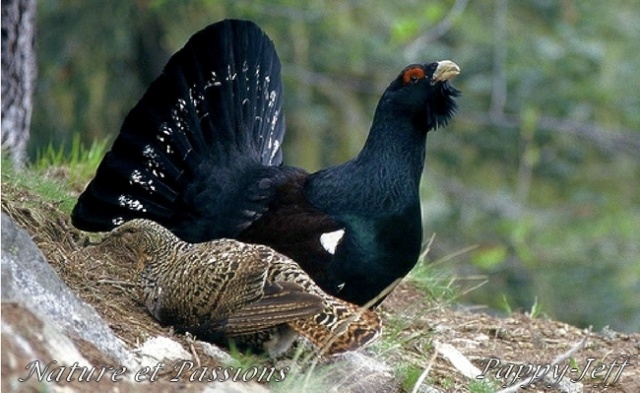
(445, 71)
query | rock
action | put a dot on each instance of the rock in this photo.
(233, 387)
(27, 279)
(353, 372)
(41, 340)
(215, 352)
(160, 349)
(362, 373)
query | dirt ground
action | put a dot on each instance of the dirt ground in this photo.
(493, 344)
(499, 346)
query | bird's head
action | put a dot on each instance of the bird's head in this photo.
(140, 236)
(423, 92)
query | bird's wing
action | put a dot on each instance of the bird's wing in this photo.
(191, 284)
(282, 303)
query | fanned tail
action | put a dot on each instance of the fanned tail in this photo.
(214, 113)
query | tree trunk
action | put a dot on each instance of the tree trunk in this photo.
(18, 75)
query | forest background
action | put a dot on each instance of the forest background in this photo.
(533, 188)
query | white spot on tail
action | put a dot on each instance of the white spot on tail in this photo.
(131, 204)
(330, 240)
(137, 177)
(274, 151)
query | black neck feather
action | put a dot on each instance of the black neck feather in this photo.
(385, 175)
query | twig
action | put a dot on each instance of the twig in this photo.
(614, 140)
(428, 247)
(457, 359)
(454, 254)
(190, 339)
(195, 354)
(424, 374)
(116, 282)
(438, 30)
(572, 350)
(473, 288)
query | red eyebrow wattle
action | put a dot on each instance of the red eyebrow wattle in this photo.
(414, 71)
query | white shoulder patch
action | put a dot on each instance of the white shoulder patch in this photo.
(330, 240)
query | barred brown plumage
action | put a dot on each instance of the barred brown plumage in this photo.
(226, 289)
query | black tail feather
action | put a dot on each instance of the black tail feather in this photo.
(216, 107)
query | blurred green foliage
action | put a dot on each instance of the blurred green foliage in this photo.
(540, 169)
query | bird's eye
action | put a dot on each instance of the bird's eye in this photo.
(413, 74)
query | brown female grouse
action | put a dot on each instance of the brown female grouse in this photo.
(228, 290)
